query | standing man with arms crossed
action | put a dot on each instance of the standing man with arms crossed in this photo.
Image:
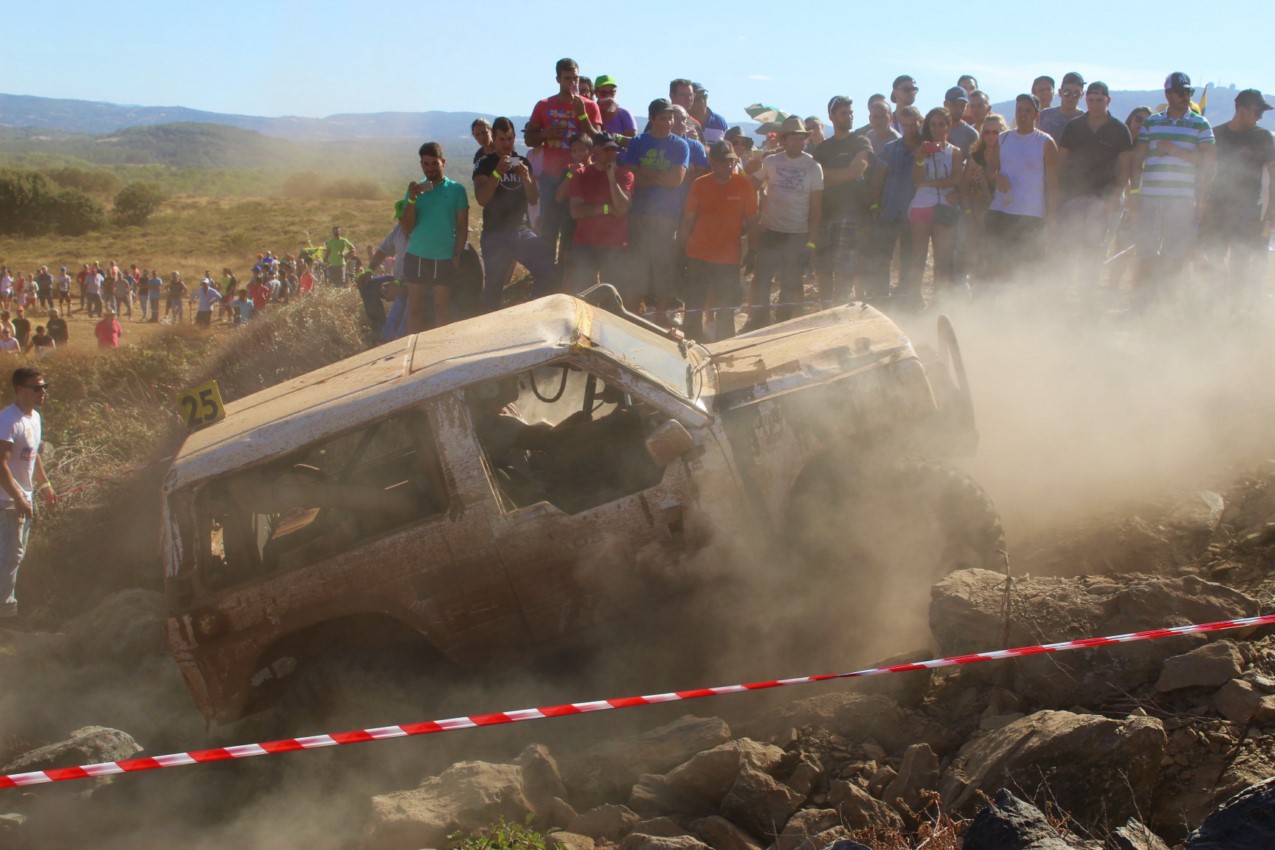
(21, 474)
(845, 159)
(1234, 221)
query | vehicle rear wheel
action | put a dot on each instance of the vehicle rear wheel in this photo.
(917, 519)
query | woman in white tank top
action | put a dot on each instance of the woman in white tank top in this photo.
(935, 208)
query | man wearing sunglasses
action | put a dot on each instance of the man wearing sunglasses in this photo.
(1172, 167)
(21, 475)
(902, 93)
(1055, 119)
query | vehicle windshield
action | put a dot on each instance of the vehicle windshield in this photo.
(666, 362)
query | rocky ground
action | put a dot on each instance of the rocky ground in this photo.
(1138, 746)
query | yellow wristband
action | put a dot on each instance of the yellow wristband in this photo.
(875, 207)
(606, 209)
(1135, 191)
(584, 116)
(46, 486)
(810, 245)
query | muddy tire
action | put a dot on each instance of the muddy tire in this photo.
(956, 513)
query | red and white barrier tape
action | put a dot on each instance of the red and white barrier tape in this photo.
(360, 736)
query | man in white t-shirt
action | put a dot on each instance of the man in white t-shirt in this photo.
(21, 473)
(791, 218)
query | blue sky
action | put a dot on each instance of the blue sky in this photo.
(321, 58)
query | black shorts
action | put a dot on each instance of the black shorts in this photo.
(431, 272)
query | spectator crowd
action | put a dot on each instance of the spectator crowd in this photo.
(678, 210)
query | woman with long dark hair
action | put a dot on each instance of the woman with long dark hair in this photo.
(935, 209)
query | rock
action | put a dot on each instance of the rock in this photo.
(721, 834)
(638, 841)
(710, 774)
(1134, 835)
(88, 745)
(126, 627)
(541, 781)
(652, 797)
(918, 772)
(1097, 769)
(804, 825)
(559, 812)
(805, 775)
(966, 616)
(607, 822)
(760, 804)
(1244, 822)
(568, 841)
(1243, 704)
(607, 771)
(848, 844)
(660, 827)
(467, 796)
(859, 809)
(1008, 823)
(858, 716)
(11, 822)
(880, 780)
(1209, 666)
(1197, 516)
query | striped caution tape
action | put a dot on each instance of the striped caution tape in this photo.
(430, 727)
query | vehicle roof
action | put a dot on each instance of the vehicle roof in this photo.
(377, 382)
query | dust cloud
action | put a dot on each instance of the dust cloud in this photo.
(1080, 410)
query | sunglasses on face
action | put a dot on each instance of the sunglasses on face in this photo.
(37, 388)
(1070, 92)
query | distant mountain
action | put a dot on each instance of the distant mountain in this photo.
(85, 116)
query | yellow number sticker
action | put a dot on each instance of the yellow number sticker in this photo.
(201, 405)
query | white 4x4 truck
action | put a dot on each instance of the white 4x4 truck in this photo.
(502, 484)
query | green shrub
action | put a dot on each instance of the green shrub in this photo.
(500, 836)
(137, 201)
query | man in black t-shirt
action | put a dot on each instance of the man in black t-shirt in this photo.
(845, 159)
(504, 186)
(1096, 154)
(1234, 221)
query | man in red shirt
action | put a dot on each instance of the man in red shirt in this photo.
(554, 122)
(108, 331)
(599, 198)
(720, 207)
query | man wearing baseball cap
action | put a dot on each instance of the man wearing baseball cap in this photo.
(956, 101)
(616, 120)
(599, 197)
(791, 223)
(1172, 166)
(1237, 220)
(902, 93)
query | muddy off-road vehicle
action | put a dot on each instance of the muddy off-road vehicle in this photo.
(503, 484)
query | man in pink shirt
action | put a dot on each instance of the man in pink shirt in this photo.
(108, 331)
(554, 122)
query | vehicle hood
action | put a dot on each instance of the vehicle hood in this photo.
(811, 350)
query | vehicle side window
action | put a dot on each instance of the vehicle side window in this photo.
(559, 434)
(319, 500)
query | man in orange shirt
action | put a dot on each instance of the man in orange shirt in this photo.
(721, 206)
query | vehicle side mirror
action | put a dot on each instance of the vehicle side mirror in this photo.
(668, 442)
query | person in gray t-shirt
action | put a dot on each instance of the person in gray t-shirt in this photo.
(1055, 119)
(961, 134)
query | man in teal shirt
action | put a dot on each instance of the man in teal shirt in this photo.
(436, 221)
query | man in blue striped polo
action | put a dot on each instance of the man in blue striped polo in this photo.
(1172, 166)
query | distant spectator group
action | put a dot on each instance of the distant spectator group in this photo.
(108, 292)
(677, 209)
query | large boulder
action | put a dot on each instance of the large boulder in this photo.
(638, 841)
(967, 615)
(1008, 823)
(721, 834)
(1208, 666)
(126, 627)
(859, 717)
(918, 772)
(88, 745)
(1134, 835)
(1098, 769)
(759, 803)
(709, 775)
(607, 822)
(1244, 822)
(607, 771)
(859, 809)
(467, 796)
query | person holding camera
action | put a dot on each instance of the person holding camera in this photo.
(935, 209)
(504, 187)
